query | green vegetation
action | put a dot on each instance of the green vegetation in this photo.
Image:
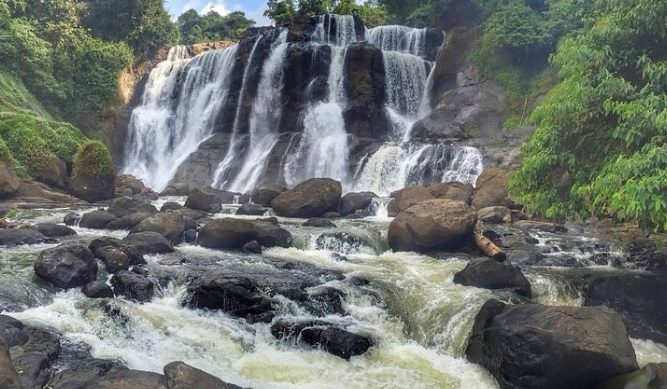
(93, 163)
(283, 11)
(600, 144)
(196, 28)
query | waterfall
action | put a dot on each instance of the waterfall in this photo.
(398, 38)
(265, 116)
(163, 133)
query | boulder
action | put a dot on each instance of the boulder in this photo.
(93, 172)
(452, 191)
(168, 224)
(124, 206)
(640, 300)
(490, 189)
(190, 235)
(407, 197)
(310, 198)
(226, 233)
(132, 286)
(97, 289)
(22, 236)
(183, 376)
(203, 201)
(97, 219)
(128, 379)
(540, 226)
(72, 219)
(489, 274)
(53, 230)
(176, 189)
(170, 205)
(149, 242)
(272, 235)
(113, 258)
(128, 181)
(264, 194)
(9, 181)
(252, 209)
(651, 376)
(128, 222)
(134, 256)
(252, 247)
(66, 266)
(235, 295)
(354, 201)
(432, 225)
(537, 346)
(319, 222)
(9, 378)
(496, 214)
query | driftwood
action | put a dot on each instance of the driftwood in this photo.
(488, 248)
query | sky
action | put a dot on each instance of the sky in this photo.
(253, 9)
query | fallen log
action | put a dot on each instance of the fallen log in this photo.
(488, 248)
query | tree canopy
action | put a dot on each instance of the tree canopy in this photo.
(195, 28)
(283, 11)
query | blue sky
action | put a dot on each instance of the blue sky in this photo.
(252, 8)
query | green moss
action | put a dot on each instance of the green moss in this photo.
(14, 97)
(33, 152)
(5, 154)
(93, 161)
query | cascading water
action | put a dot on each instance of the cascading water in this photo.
(398, 38)
(161, 136)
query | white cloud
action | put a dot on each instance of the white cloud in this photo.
(191, 4)
(217, 6)
(258, 16)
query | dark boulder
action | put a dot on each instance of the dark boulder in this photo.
(432, 225)
(97, 219)
(490, 189)
(134, 256)
(9, 378)
(113, 258)
(272, 235)
(640, 300)
(252, 247)
(66, 266)
(235, 295)
(128, 222)
(319, 222)
(97, 289)
(310, 198)
(183, 376)
(494, 215)
(407, 197)
(226, 233)
(72, 219)
(128, 379)
(176, 189)
(132, 286)
(168, 224)
(170, 205)
(53, 230)
(489, 274)
(22, 236)
(354, 201)
(325, 301)
(203, 201)
(651, 376)
(190, 235)
(124, 206)
(537, 346)
(264, 194)
(252, 209)
(149, 242)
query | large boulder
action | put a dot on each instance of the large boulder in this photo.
(97, 219)
(93, 174)
(490, 189)
(252, 209)
(310, 198)
(125, 206)
(168, 224)
(537, 346)
(97, 289)
(52, 229)
(407, 197)
(66, 266)
(128, 222)
(183, 376)
(226, 233)
(22, 236)
(149, 242)
(201, 201)
(270, 234)
(9, 378)
(113, 258)
(432, 225)
(354, 201)
(265, 193)
(495, 214)
(651, 376)
(640, 300)
(490, 274)
(98, 245)
(132, 286)
(9, 181)
(452, 191)
(128, 379)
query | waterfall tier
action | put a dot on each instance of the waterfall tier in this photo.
(328, 98)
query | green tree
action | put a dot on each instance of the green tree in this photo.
(280, 11)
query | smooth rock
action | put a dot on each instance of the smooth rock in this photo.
(226, 233)
(354, 201)
(71, 219)
(9, 379)
(97, 219)
(310, 198)
(53, 230)
(489, 274)
(170, 205)
(201, 201)
(134, 256)
(66, 266)
(97, 289)
(129, 379)
(407, 197)
(128, 222)
(149, 242)
(190, 235)
(319, 222)
(452, 191)
(168, 224)
(113, 258)
(265, 193)
(490, 189)
(495, 214)
(132, 286)
(252, 247)
(252, 209)
(183, 376)
(124, 206)
(22, 236)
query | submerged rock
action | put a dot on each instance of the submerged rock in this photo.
(310, 198)
(537, 346)
(432, 225)
(319, 222)
(489, 274)
(21, 236)
(66, 266)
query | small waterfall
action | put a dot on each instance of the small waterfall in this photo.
(222, 173)
(264, 119)
(406, 77)
(163, 133)
(335, 29)
(398, 38)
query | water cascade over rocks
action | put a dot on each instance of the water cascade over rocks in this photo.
(325, 97)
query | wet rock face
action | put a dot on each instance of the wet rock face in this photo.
(67, 266)
(639, 300)
(227, 233)
(536, 346)
(489, 274)
(310, 198)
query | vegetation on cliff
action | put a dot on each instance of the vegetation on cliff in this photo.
(195, 28)
(283, 11)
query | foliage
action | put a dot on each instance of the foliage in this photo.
(600, 144)
(25, 142)
(196, 28)
(93, 162)
(284, 11)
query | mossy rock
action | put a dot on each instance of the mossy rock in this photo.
(94, 175)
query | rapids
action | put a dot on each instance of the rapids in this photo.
(406, 302)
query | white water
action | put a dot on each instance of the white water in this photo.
(398, 38)
(161, 138)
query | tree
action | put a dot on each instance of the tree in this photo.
(280, 11)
